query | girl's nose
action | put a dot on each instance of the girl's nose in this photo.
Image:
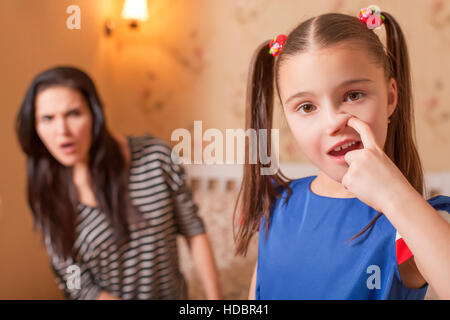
(335, 120)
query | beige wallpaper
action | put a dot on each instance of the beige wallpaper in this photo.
(188, 62)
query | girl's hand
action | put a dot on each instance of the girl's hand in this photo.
(372, 176)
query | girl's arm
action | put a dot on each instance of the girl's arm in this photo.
(426, 234)
(203, 257)
(378, 182)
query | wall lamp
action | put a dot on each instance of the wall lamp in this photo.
(133, 11)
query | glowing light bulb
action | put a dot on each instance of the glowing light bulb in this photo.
(135, 10)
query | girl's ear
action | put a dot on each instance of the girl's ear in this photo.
(392, 96)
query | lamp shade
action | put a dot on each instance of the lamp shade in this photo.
(135, 10)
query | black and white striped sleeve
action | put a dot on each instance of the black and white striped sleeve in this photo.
(186, 211)
(72, 277)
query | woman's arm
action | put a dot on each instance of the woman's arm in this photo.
(251, 292)
(203, 257)
(426, 234)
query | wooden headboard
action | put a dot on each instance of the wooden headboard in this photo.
(226, 177)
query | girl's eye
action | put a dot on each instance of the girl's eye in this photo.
(354, 95)
(306, 108)
(46, 118)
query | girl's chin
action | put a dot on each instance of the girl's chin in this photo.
(334, 174)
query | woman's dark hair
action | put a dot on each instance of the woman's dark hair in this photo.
(258, 193)
(51, 192)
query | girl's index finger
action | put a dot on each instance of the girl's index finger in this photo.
(367, 137)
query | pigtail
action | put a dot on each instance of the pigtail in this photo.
(257, 192)
(400, 142)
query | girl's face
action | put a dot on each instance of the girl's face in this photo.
(321, 89)
(64, 124)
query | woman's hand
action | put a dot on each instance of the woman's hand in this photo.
(205, 265)
(106, 296)
(372, 176)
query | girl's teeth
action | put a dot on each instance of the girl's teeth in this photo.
(345, 146)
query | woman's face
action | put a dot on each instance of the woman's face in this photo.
(64, 124)
(321, 89)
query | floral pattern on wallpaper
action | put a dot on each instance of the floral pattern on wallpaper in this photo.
(193, 49)
(434, 109)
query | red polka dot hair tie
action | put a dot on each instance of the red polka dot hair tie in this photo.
(372, 17)
(276, 45)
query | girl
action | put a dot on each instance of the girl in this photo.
(109, 207)
(348, 103)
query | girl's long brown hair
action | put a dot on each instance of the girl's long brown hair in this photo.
(258, 193)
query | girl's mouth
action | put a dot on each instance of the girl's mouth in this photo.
(339, 152)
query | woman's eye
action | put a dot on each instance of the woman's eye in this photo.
(305, 108)
(355, 96)
(74, 113)
(46, 118)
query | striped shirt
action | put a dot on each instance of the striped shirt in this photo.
(147, 267)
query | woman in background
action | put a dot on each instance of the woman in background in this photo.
(107, 206)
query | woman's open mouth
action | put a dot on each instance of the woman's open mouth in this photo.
(68, 148)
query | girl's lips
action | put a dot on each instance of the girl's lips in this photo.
(339, 156)
(340, 144)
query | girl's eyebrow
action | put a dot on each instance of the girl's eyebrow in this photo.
(343, 84)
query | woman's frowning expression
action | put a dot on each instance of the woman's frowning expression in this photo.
(64, 124)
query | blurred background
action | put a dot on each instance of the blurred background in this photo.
(188, 60)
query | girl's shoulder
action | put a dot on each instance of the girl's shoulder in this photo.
(301, 184)
(297, 186)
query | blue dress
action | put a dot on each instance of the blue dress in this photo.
(306, 254)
